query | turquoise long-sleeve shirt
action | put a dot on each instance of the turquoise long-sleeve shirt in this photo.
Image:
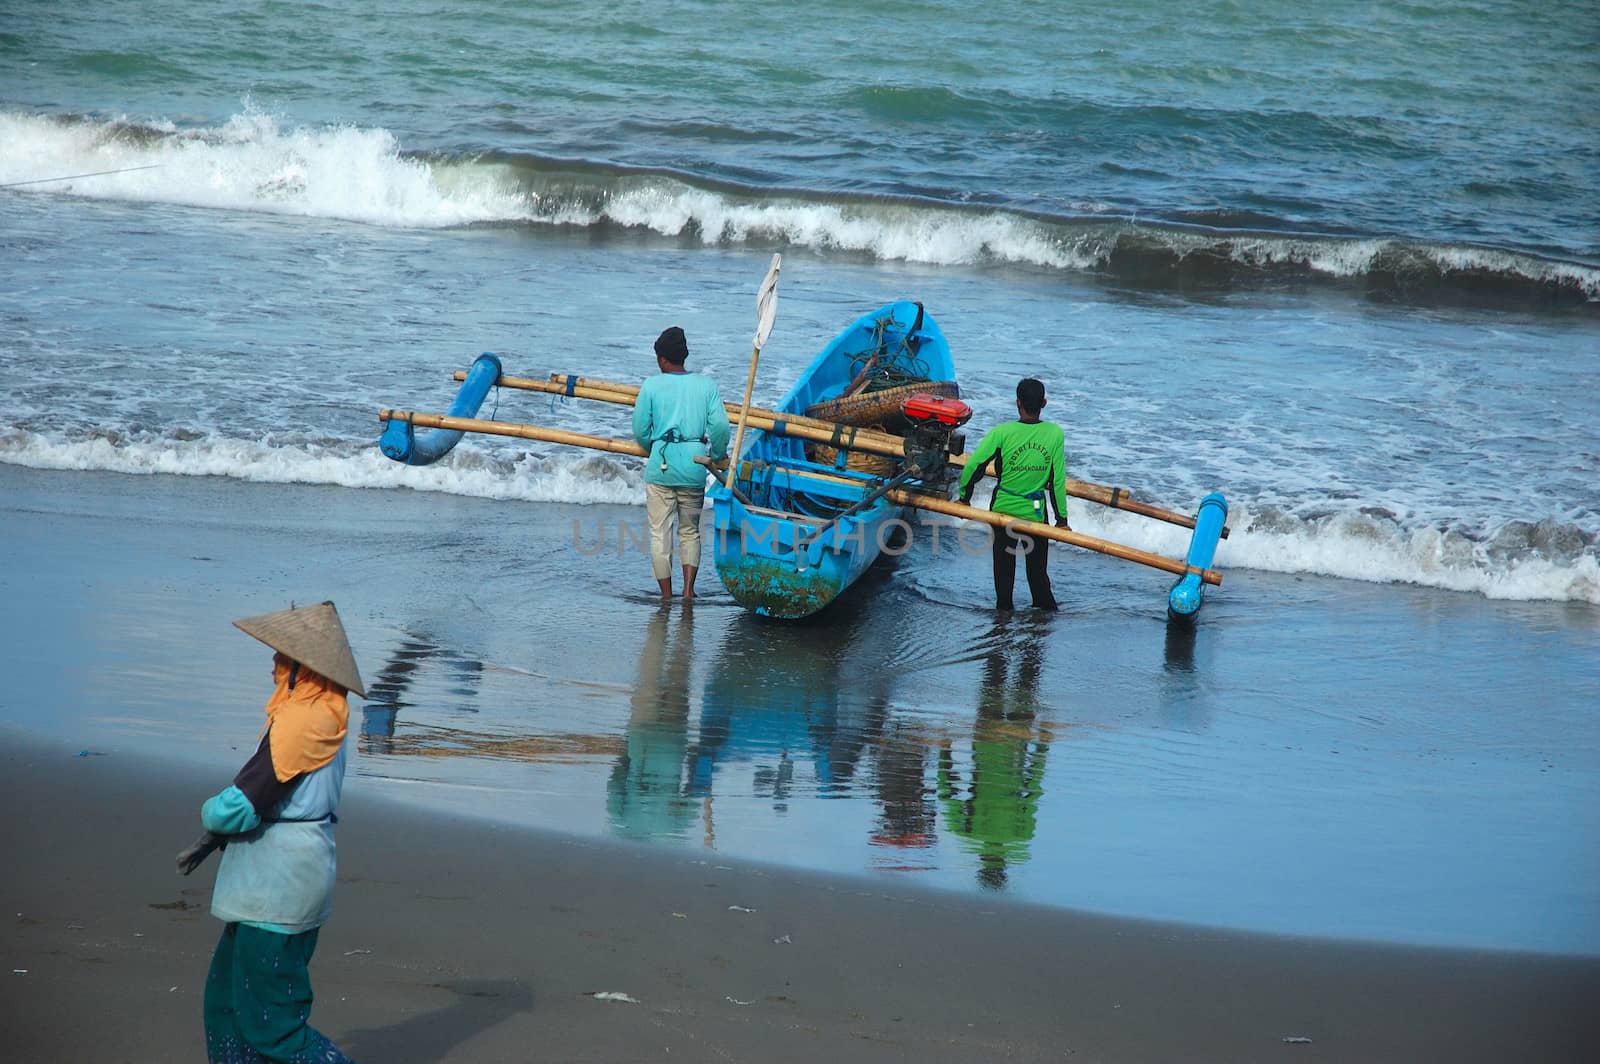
(1030, 464)
(674, 413)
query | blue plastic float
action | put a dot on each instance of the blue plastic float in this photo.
(1183, 600)
(400, 441)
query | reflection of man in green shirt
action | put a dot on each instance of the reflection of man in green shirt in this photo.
(1030, 468)
(996, 807)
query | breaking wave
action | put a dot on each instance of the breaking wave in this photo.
(253, 163)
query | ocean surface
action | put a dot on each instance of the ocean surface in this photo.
(1341, 265)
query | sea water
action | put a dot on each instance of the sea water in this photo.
(1341, 266)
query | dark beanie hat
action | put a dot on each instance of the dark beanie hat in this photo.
(671, 345)
(1030, 392)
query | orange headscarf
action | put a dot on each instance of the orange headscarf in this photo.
(307, 723)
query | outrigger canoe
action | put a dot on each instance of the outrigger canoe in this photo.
(823, 483)
(796, 529)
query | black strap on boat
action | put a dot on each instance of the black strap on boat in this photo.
(572, 386)
(780, 426)
(1116, 493)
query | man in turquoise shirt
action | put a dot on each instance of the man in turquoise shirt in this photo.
(677, 416)
(1030, 469)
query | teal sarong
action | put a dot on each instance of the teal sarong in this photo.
(258, 999)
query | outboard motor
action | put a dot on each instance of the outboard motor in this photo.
(933, 437)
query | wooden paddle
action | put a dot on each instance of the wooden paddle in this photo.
(766, 311)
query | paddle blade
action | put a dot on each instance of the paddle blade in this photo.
(767, 303)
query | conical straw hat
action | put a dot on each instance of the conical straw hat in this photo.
(311, 635)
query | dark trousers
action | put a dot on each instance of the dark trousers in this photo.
(1036, 556)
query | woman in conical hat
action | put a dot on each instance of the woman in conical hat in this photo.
(274, 824)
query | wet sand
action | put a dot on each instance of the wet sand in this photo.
(464, 941)
(1328, 758)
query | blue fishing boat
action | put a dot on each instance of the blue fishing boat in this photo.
(801, 522)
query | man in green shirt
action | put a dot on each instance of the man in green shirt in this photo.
(1030, 459)
(677, 416)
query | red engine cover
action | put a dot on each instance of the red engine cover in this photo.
(925, 407)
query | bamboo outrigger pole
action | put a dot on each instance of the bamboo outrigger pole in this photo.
(940, 505)
(872, 441)
(512, 428)
(935, 504)
(903, 498)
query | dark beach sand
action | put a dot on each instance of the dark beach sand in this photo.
(462, 941)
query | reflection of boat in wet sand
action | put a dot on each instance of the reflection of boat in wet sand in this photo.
(461, 675)
(799, 713)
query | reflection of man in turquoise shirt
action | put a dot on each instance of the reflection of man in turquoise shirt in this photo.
(677, 416)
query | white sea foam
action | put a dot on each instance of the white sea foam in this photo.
(1354, 546)
(251, 162)
(1346, 258)
(1351, 545)
(904, 233)
(466, 471)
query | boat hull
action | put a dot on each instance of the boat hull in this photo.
(775, 550)
(768, 567)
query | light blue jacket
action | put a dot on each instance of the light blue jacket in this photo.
(278, 874)
(673, 414)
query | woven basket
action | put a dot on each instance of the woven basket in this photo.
(877, 465)
(880, 409)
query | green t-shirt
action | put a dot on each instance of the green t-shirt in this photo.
(1031, 464)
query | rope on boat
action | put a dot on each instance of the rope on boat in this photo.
(887, 370)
